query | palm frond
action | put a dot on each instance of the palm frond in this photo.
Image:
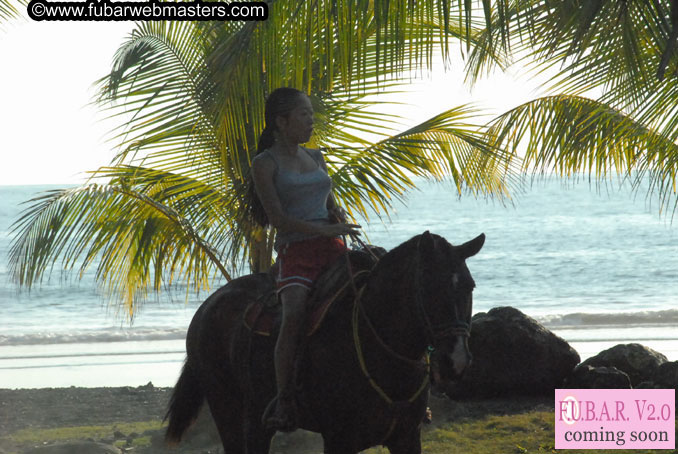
(8, 10)
(212, 211)
(571, 134)
(157, 85)
(608, 46)
(446, 145)
(564, 32)
(134, 241)
(323, 47)
(509, 29)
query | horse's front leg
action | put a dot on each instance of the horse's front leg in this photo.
(338, 444)
(406, 443)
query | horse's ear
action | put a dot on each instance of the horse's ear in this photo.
(426, 244)
(471, 248)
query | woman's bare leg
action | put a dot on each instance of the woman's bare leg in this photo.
(293, 300)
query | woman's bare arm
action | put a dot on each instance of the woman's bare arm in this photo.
(335, 210)
(262, 173)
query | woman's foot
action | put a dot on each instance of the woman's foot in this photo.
(283, 417)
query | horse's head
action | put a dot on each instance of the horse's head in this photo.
(444, 302)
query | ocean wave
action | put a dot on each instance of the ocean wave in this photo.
(93, 336)
(627, 319)
(573, 320)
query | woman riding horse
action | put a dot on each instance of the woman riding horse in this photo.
(364, 375)
(363, 378)
(294, 189)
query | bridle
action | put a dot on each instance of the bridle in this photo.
(436, 332)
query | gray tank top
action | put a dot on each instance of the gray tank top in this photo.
(302, 195)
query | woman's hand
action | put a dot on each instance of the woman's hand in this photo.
(340, 229)
(337, 215)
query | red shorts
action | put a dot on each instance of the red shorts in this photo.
(301, 262)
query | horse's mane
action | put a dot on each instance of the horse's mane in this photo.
(398, 253)
(398, 259)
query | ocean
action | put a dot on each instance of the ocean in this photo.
(597, 266)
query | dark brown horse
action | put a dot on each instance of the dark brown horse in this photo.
(363, 377)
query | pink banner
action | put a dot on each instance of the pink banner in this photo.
(615, 419)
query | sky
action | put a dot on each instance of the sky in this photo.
(50, 134)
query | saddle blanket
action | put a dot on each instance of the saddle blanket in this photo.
(263, 316)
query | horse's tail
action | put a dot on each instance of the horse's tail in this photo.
(184, 406)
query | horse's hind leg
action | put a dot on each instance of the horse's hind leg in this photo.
(226, 409)
(240, 428)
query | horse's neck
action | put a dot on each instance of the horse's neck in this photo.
(390, 304)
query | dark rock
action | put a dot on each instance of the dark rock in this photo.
(666, 375)
(638, 361)
(589, 377)
(513, 354)
(81, 447)
(119, 435)
(647, 385)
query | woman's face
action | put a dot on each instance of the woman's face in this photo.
(297, 126)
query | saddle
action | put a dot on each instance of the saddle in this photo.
(263, 316)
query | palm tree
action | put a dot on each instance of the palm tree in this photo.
(169, 208)
(190, 97)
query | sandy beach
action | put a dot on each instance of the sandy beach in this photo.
(39, 417)
(26, 410)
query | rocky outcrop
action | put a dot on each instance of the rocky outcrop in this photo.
(666, 375)
(639, 362)
(513, 354)
(588, 377)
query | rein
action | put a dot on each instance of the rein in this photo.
(434, 333)
(364, 246)
(357, 312)
(395, 406)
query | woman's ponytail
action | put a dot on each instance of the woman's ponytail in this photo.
(266, 139)
(256, 209)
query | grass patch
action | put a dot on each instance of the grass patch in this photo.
(530, 432)
(62, 434)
